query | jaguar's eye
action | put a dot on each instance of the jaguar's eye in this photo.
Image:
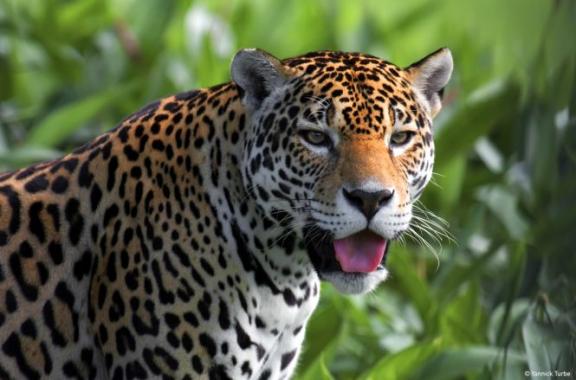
(401, 138)
(314, 137)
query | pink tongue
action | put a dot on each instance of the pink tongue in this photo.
(361, 252)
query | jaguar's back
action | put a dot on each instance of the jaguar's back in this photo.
(87, 236)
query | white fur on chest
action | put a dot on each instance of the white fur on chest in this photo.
(284, 324)
(285, 332)
(277, 314)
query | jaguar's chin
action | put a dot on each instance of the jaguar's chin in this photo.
(354, 265)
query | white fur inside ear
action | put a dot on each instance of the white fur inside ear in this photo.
(257, 73)
(430, 75)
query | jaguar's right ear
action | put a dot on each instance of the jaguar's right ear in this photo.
(257, 74)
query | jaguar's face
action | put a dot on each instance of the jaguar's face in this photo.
(341, 146)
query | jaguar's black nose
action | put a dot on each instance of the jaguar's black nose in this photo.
(369, 202)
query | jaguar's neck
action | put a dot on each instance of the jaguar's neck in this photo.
(267, 246)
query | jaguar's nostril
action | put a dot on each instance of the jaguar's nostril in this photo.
(385, 196)
(368, 202)
(354, 198)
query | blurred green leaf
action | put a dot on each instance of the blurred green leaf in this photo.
(455, 362)
(149, 22)
(475, 118)
(447, 187)
(400, 365)
(411, 284)
(517, 314)
(94, 14)
(325, 328)
(461, 320)
(317, 371)
(548, 348)
(27, 156)
(504, 204)
(60, 124)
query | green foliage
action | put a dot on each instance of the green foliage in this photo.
(499, 301)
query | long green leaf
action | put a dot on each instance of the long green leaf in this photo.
(27, 155)
(63, 122)
(399, 365)
(411, 284)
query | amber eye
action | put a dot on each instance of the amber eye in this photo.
(401, 138)
(314, 137)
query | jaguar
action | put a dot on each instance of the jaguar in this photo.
(190, 241)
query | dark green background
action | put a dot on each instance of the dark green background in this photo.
(494, 293)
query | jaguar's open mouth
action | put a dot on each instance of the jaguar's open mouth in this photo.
(361, 253)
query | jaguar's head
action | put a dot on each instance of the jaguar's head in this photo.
(339, 145)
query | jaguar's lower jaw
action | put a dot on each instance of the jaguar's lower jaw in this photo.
(354, 265)
(356, 283)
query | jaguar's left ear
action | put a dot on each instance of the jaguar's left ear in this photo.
(257, 74)
(430, 75)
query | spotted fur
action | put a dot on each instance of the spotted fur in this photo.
(189, 241)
